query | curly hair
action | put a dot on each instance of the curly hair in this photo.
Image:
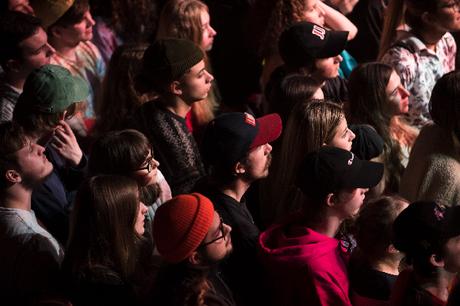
(284, 14)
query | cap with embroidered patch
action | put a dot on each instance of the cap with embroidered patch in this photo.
(424, 225)
(304, 41)
(331, 169)
(229, 137)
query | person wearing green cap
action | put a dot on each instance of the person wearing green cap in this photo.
(70, 29)
(51, 95)
(175, 71)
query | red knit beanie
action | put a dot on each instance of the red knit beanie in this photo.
(181, 224)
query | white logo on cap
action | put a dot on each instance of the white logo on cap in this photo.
(319, 31)
(350, 161)
(249, 119)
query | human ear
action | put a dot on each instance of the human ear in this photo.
(175, 88)
(13, 176)
(437, 261)
(331, 199)
(195, 258)
(13, 65)
(240, 168)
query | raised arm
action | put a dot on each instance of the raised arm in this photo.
(337, 21)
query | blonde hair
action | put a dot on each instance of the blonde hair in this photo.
(310, 126)
(182, 19)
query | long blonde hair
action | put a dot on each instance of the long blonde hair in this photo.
(310, 125)
(182, 19)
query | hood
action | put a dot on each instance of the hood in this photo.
(294, 241)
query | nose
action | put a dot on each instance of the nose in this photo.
(227, 228)
(39, 149)
(155, 163)
(403, 92)
(89, 19)
(352, 135)
(212, 32)
(50, 50)
(143, 208)
(210, 77)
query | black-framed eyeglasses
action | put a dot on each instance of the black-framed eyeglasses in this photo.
(222, 234)
(149, 167)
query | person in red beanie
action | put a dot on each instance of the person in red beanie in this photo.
(192, 239)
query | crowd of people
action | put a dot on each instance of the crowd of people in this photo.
(232, 153)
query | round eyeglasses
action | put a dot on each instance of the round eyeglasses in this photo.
(222, 234)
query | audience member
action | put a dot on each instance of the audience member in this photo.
(312, 50)
(428, 235)
(175, 70)
(310, 126)
(24, 48)
(374, 265)
(192, 239)
(189, 19)
(303, 249)
(434, 164)
(104, 241)
(119, 98)
(30, 256)
(237, 148)
(377, 98)
(70, 29)
(422, 54)
(51, 95)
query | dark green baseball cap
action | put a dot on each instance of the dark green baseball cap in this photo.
(52, 89)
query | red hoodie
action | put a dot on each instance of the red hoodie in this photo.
(303, 267)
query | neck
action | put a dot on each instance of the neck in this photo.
(438, 286)
(236, 189)
(329, 225)
(387, 265)
(177, 106)
(15, 80)
(63, 49)
(430, 37)
(17, 196)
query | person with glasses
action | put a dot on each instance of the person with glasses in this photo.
(50, 97)
(192, 239)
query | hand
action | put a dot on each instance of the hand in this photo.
(66, 144)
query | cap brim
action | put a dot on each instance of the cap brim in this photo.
(270, 127)
(366, 175)
(335, 44)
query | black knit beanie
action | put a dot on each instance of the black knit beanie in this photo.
(168, 59)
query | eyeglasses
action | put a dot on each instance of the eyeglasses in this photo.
(455, 4)
(150, 165)
(221, 229)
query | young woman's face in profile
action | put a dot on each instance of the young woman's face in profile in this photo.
(140, 219)
(343, 136)
(398, 96)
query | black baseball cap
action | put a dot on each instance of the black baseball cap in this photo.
(304, 41)
(230, 136)
(331, 169)
(423, 226)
